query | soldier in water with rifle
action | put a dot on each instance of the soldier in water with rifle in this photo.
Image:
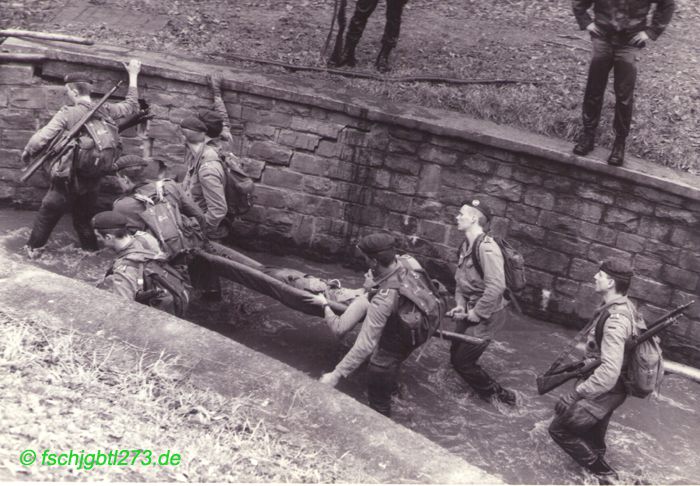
(77, 169)
(583, 415)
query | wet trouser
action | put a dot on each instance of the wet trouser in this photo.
(57, 201)
(465, 356)
(611, 52)
(363, 10)
(581, 429)
(383, 372)
(203, 275)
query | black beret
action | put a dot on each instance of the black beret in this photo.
(376, 242)
(213, 120)
(193, 123)
(126, 161)
(109, 220)
(617, 269)
(77, 78)
(480, 205)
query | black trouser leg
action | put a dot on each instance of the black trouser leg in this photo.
(363, 10)
(464, 357)
(382, 379)
(83, 208)
(580, 432)
(203, 275)
(392, 28)
(625, 71)
(53, 206)
(570, 431)
(598, 71)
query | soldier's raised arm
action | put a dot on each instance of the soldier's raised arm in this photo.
(131, 104)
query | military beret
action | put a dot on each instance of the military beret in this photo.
(193, 123)
(376, 242)
(126, 161)
(617, 269)
(109, 220)
(213, 120)
(77, 78)
(480, 205)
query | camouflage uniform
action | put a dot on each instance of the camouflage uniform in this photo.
(80, 196)
(378, 339)
(127, 270)
(581, 429)
(131, 207)
(205, 182)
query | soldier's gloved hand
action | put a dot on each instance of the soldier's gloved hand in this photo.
(640, 39)
(331, 378)
(473, 317)
(565, 401)
(593, 29)
(145, 296)
(456, 313)
(25, 157)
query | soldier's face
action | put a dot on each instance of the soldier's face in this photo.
(124, 183)
(465, 218)
(602, 282)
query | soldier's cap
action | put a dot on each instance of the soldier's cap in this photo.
(376, 243)
(109, 220)
(617, 269)
(213, 120)
(479, 205)
(193, 123)
(126, 161)
(77, 77)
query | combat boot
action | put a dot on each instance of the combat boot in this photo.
(585, 143)
(382, 62)
(617, 154)
(602, 470)
(347, 58)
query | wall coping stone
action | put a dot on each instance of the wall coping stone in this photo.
(354, 103)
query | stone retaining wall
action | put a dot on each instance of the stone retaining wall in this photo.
(332, 167)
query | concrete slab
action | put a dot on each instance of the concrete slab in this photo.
(353, 432)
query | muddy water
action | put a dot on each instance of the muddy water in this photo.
(655, 441)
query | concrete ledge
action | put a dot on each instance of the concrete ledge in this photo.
(366, 439)
(437, 122)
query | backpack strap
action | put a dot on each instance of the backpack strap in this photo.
(476, 259)
(144, 199)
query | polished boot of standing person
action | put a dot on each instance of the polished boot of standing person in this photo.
(585, 143)
(617, 154)
(382, 62)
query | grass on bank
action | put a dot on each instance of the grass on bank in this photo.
(64, 390)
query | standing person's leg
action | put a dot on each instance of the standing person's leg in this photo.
(382, 379)
(464, 357)
(598, 72)
(625, 72)
(363, 10)
(52, 207)
(392, 29)
(83, 208)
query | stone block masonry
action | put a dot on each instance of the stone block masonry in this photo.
(330, 170)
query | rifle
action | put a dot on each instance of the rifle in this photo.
(135, 119)
(62, 143)
(557, 377)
